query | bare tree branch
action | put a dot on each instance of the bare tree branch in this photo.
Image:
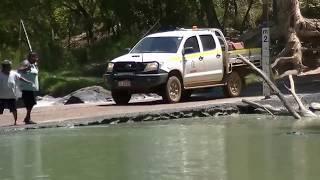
(257, 105)
(272, 86)
(303, 110)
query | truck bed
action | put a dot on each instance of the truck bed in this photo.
(254, 55)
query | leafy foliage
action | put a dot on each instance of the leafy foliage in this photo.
(74, 33)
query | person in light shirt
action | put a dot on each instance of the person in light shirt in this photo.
(29, 70)
(8, 88)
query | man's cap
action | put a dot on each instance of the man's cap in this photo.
(6, 62)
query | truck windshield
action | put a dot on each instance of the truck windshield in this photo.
(158, 45)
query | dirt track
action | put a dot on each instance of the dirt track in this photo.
(61, 113)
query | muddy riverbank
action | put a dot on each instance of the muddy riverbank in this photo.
(104, 114)
(203, 104)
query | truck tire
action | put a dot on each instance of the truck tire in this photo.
(233, 85)
(172, 90)
(121, 97)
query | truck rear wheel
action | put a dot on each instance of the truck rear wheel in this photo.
(121, 97)
(233, 85)
(172, 90)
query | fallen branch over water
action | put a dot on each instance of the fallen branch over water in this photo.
(272, 86)
(303, 110)
(257, 105)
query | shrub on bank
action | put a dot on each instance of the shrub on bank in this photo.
(61, 85)
(64, 70)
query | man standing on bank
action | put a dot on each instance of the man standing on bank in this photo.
(29, 70)
(8, 88)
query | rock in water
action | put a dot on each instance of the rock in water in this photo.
(93, 94)
(315, 106)
(73, 100)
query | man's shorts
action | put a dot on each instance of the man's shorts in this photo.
(10, 104)
(29, 98)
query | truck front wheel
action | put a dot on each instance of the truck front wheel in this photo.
(172, 90)
(233, 85)
(121, 97)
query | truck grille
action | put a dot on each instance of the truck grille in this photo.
(121, 67)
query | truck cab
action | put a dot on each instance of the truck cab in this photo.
(172, 64)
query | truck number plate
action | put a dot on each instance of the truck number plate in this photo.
(125, 83)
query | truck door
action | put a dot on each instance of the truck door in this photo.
(212, 58)
(193, 63)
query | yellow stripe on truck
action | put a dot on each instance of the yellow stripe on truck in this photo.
(245, 51)
(196, 55)
(176, 58)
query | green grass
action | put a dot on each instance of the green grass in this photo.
(79, 67)
(58, 85)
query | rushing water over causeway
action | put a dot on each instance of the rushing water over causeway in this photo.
(244, 148)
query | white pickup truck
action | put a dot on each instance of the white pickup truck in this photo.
(173, 64)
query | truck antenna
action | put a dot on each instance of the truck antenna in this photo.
(152, 27)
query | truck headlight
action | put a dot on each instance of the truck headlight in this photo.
(110, 67)
(153, 66)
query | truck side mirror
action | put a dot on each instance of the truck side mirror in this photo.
(127, 50)
(187, 50)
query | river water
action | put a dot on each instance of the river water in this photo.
(228, 148)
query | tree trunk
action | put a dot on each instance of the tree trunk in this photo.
(275, 11)
(265, 11)
(236, 14)
(306, 33)
(226, 13)
(208, 7)
(245, 19)
(235, 8)
(289, 12)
